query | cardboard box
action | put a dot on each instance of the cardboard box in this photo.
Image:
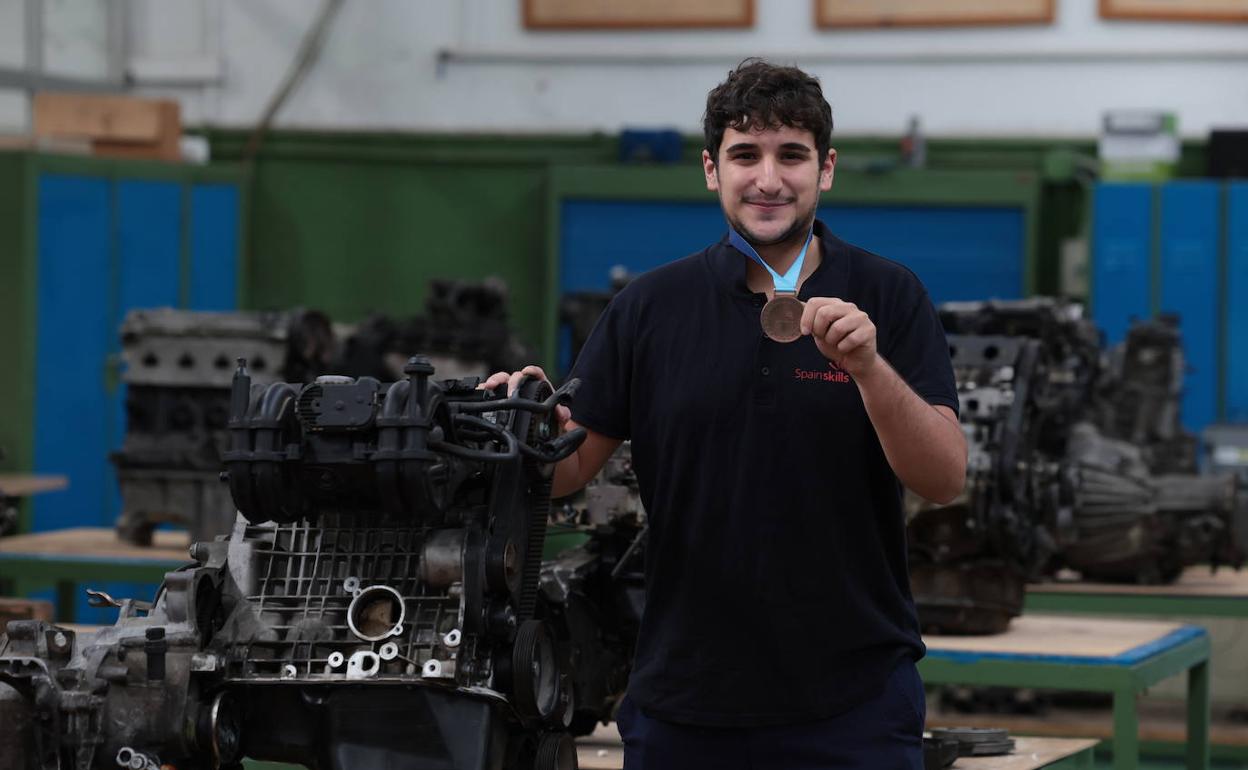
(116, 126)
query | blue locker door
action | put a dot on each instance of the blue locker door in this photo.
(149, 233)
(149, 250)
(1236, 344)
(1122, 238)
(214, 247)
(1189, 281)
(74, 413)
(959, 252)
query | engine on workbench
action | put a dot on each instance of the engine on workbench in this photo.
(376, 604)
(1075, 459)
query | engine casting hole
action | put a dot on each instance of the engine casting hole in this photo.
(376, 613)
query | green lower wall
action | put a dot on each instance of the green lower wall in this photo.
(350, 238)
(17, 298)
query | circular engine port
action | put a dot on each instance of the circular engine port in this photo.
(376, 613)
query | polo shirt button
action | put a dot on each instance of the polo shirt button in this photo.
(766, 371)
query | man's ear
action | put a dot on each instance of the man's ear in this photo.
(827, 170)
(712, 173)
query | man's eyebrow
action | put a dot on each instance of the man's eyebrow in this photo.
(751, 146)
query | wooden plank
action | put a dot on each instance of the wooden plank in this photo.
(97, 116)
(924, 13)
(603, 750)
(23, 485)
(96, 542)
(1176, 10)
(1195, 581)
(1055, 635)
(611, 14)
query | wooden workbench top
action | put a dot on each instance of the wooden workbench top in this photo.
(22, 485)
(1195, 581)
(96, 543)
(603, 751)
(1047, 636)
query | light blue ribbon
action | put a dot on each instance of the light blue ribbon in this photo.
(786, 282)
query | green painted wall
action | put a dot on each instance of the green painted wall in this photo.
(353, 237)
(17, 299)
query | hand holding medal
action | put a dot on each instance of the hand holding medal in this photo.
(782, 315)
(844, 334)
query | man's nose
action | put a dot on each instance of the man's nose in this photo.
(768, 179)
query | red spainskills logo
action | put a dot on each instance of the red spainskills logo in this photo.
(834, 374)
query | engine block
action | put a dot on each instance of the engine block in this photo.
(375, 605)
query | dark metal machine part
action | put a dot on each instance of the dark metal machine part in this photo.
(1076, 459)
(178, 369)
(179, 366)
(594, 592)
(376, 604)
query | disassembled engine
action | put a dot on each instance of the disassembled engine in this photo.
(378, 606)
(178, 369)
(179, 366)
(594, 592)
(1076, 459)
(465, 332)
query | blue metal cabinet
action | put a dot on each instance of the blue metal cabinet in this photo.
(1180, 247)
(1122, 264)
(75, 310)
(108, 243)
(1188, 284)
(214, 236)
(1235, 343)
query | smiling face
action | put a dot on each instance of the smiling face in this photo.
(769, 180)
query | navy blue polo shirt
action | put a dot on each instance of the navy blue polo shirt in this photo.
(777, 589)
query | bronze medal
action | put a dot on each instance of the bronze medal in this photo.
(782, 317)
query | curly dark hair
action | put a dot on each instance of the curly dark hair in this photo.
(760, 92)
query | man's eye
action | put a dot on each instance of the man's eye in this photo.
(743, 156)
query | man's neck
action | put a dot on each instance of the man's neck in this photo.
(780, 257)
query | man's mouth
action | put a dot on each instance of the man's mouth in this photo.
(768, 204)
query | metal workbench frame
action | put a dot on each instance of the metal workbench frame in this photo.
(1124, 677)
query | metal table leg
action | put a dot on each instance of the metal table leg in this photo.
(1198, 716)
(1126, 728)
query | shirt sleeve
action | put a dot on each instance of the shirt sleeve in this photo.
(605, 367)
(919, 352)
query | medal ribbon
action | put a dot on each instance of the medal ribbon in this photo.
(786, 282)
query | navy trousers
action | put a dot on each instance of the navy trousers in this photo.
(885, 733)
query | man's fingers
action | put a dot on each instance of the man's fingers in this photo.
(562, 413)
(854, 339)
(532, 370)
(493, 381)
(813, 306)
(825, 318)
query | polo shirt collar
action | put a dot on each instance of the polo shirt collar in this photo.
(729, 265)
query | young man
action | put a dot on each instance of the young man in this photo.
(779, 628)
